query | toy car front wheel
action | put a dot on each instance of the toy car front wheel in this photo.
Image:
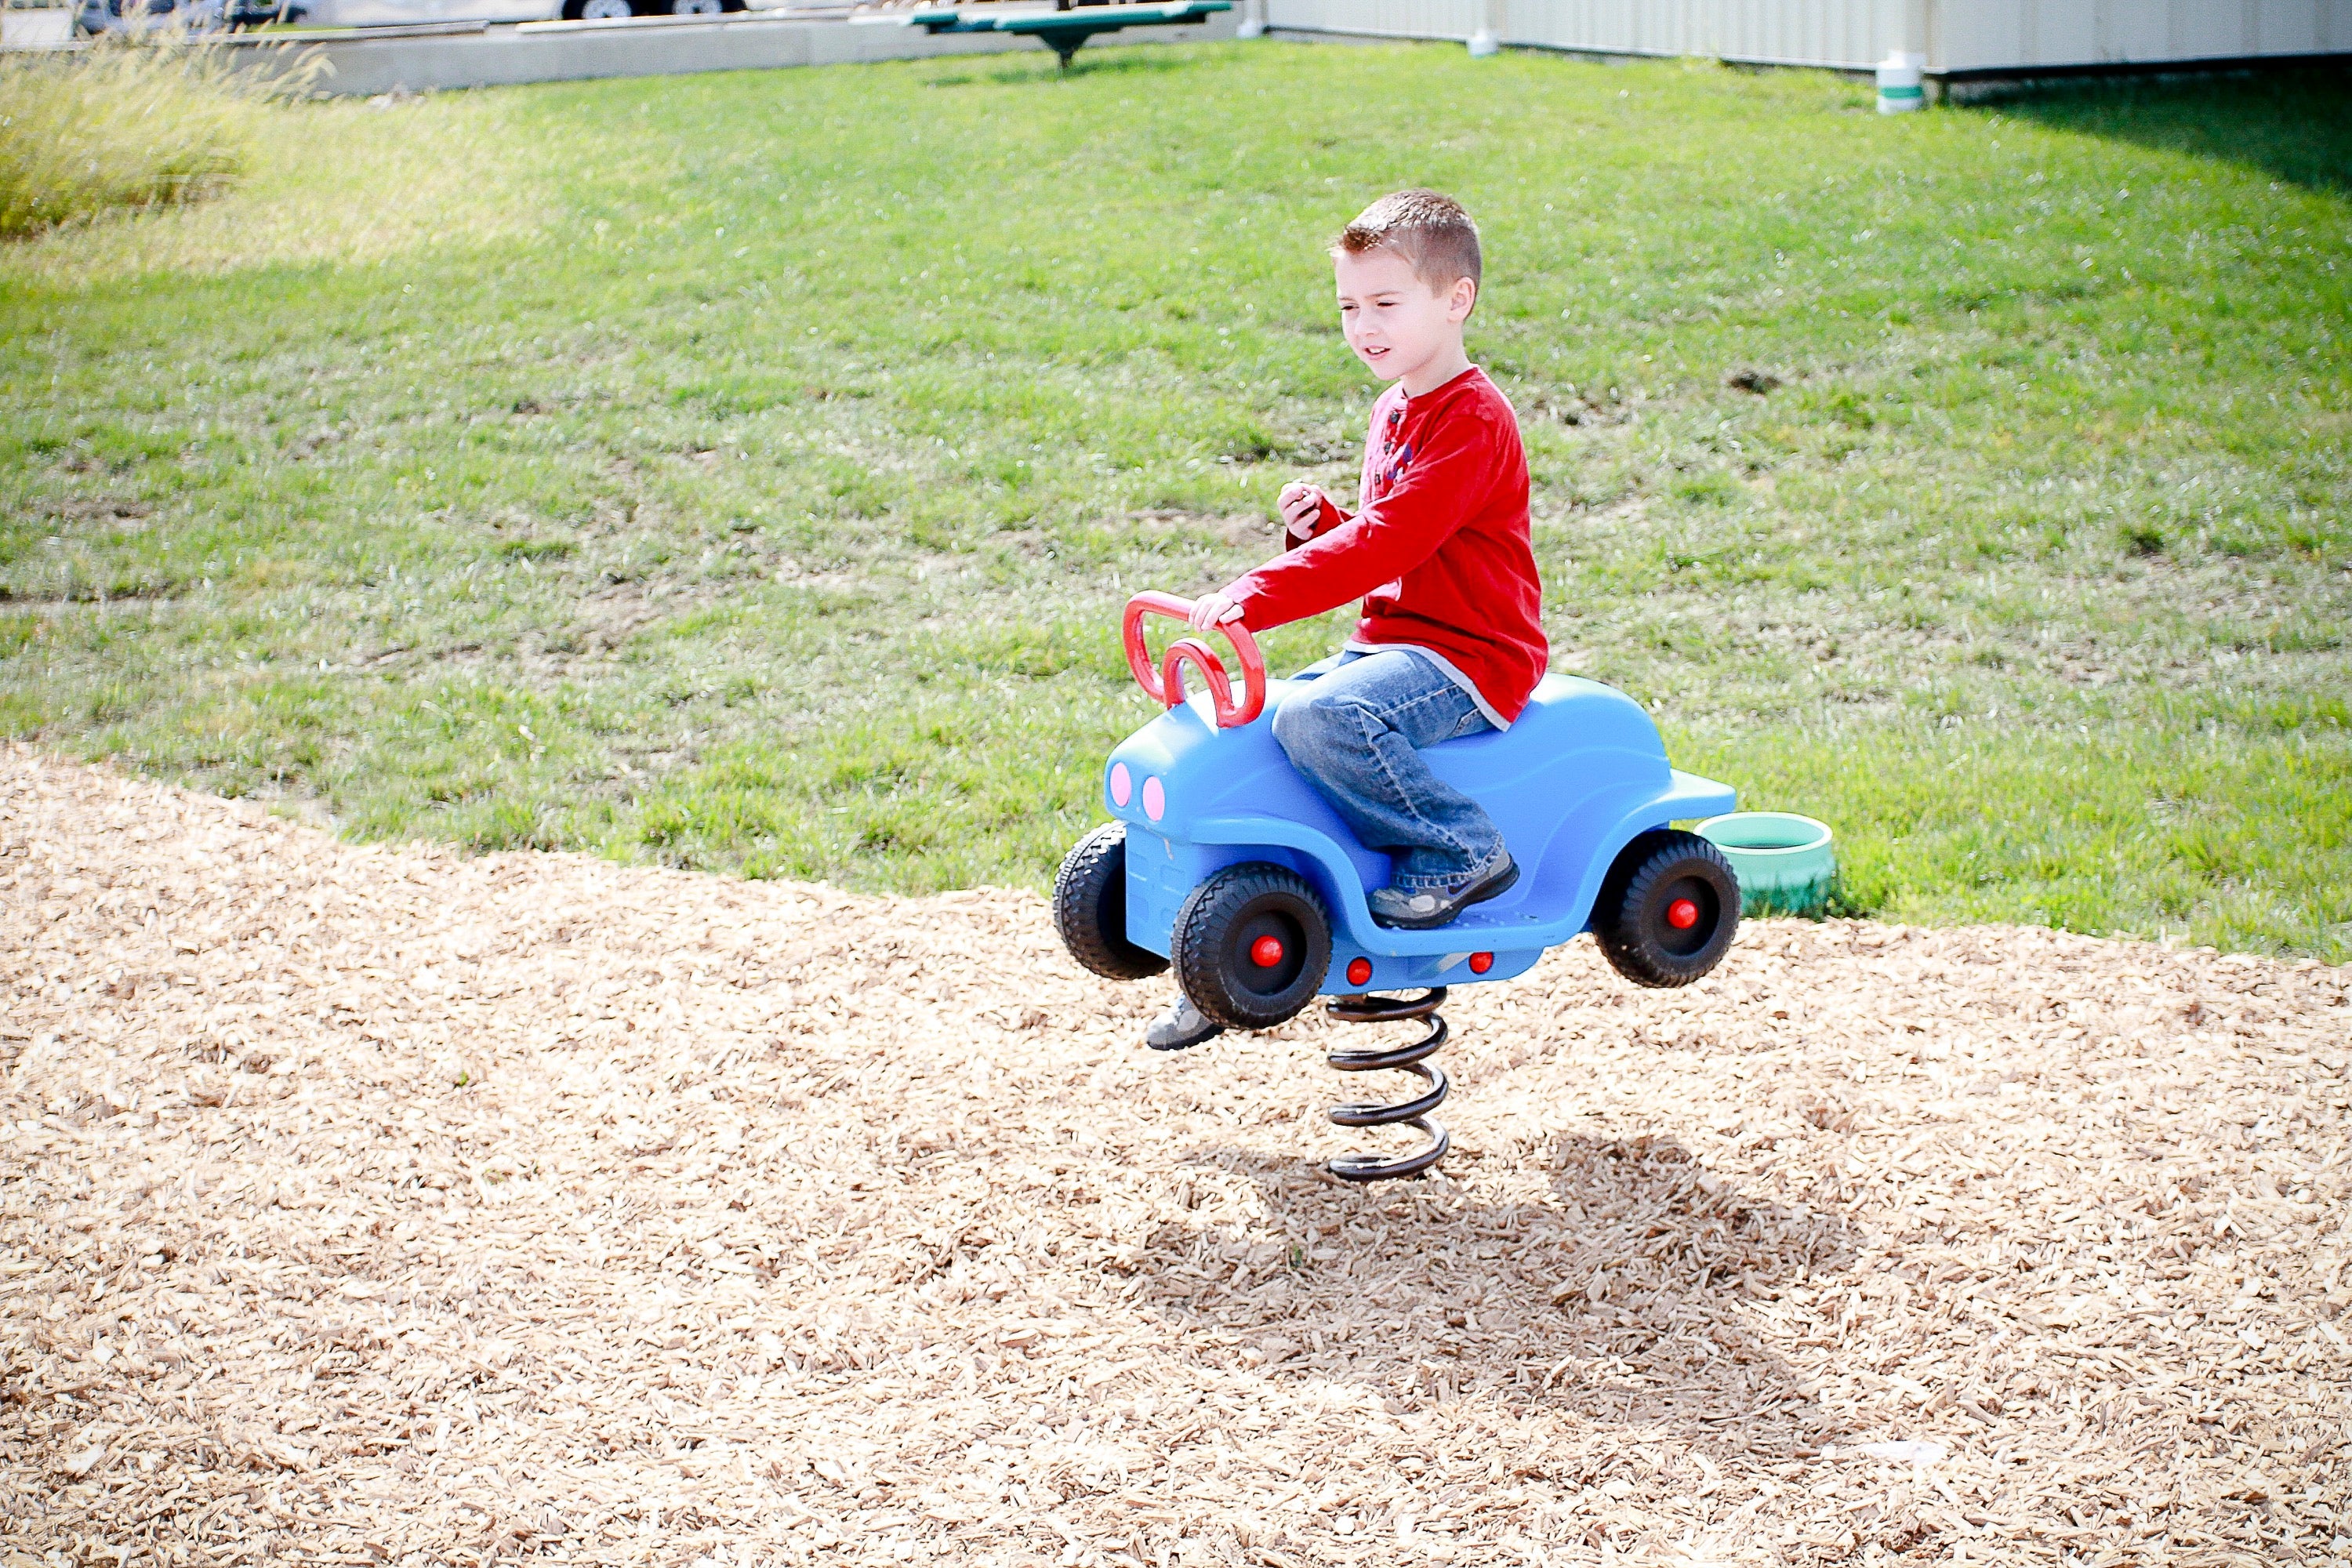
(1667, 909)
(1251, 945)
(1090, 907)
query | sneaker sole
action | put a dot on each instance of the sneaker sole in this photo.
(1186, 1044)
(1494, 887)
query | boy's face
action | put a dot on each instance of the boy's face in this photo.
(1394, 322)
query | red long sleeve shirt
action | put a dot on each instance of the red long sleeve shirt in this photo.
(1439, 550)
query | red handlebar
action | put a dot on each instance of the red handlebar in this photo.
(1166, 684)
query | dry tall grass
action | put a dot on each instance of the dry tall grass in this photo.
(340, 181)
(122, 124)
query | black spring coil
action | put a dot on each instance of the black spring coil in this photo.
(1409, 1058)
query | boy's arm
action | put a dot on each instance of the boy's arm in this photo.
(1307, 511)
(1446, 482)
(1328, 515)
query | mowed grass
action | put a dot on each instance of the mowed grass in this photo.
(744, 472)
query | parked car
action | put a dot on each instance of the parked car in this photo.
(147, 16)
(392, 13)
(262, 13)
(209, 16)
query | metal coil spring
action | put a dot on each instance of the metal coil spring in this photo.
(1409, 1058)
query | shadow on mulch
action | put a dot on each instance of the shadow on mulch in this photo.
(1629, 1297)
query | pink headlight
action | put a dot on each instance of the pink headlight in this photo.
(1155, 800)
(1122, 785)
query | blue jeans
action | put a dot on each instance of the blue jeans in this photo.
(1356, 734)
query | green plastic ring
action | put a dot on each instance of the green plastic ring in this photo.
(1786, 863)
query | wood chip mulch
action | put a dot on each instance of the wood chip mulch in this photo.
(377, 1205)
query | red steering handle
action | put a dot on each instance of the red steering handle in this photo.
(1166, 684)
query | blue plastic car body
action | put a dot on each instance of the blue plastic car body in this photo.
(1570, 784)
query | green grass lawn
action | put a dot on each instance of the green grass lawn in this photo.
(745, 471)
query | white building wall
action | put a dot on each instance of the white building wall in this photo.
(1854, 35)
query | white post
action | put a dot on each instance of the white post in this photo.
(1922, 20)
(1488, 39)
(1899, 89)
(1252, 23)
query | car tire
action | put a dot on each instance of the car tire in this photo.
(1090, 907)
(1662, 880)
(695, 8)
(1252, 946)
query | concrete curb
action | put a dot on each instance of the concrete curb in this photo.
(580, 52)
(30, 29)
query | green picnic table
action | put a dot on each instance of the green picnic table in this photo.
(1066, 28)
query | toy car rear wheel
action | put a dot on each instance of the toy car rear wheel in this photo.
(1090, 907)
(1667, 909)
(1252, 946)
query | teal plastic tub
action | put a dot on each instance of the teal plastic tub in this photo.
(1786, 864)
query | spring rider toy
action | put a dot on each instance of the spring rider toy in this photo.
(1221, 862)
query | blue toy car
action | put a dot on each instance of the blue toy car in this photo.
(1223, 862)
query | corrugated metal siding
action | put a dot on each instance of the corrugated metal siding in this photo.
(1838, 32)
(1454, 19)
(2025, 33)
(1740, 29)
(1854, 35)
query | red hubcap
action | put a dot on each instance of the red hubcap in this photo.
(1682, 914)
(1266, 951)
(1359, 970)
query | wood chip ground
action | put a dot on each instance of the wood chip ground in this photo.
(377, 1205)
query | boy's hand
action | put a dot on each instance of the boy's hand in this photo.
(1213, 610)
(1300, 504)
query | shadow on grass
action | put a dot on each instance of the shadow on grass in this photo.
(2291, 122)
(1031, 69)
(1627, 1297)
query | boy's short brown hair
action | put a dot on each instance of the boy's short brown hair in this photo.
(1428, 229)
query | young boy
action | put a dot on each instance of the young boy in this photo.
(1450, 642)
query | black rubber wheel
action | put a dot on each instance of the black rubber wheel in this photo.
(1668, 909)
(1090, 906)
(1252, 946)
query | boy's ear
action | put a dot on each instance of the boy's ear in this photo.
(1461, 299)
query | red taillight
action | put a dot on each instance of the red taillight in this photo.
(1360, 971)
(1682, 914)
(1266, 951)
(1481, 961)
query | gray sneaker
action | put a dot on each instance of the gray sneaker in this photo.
(1181, 1028)
(1425, 908)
